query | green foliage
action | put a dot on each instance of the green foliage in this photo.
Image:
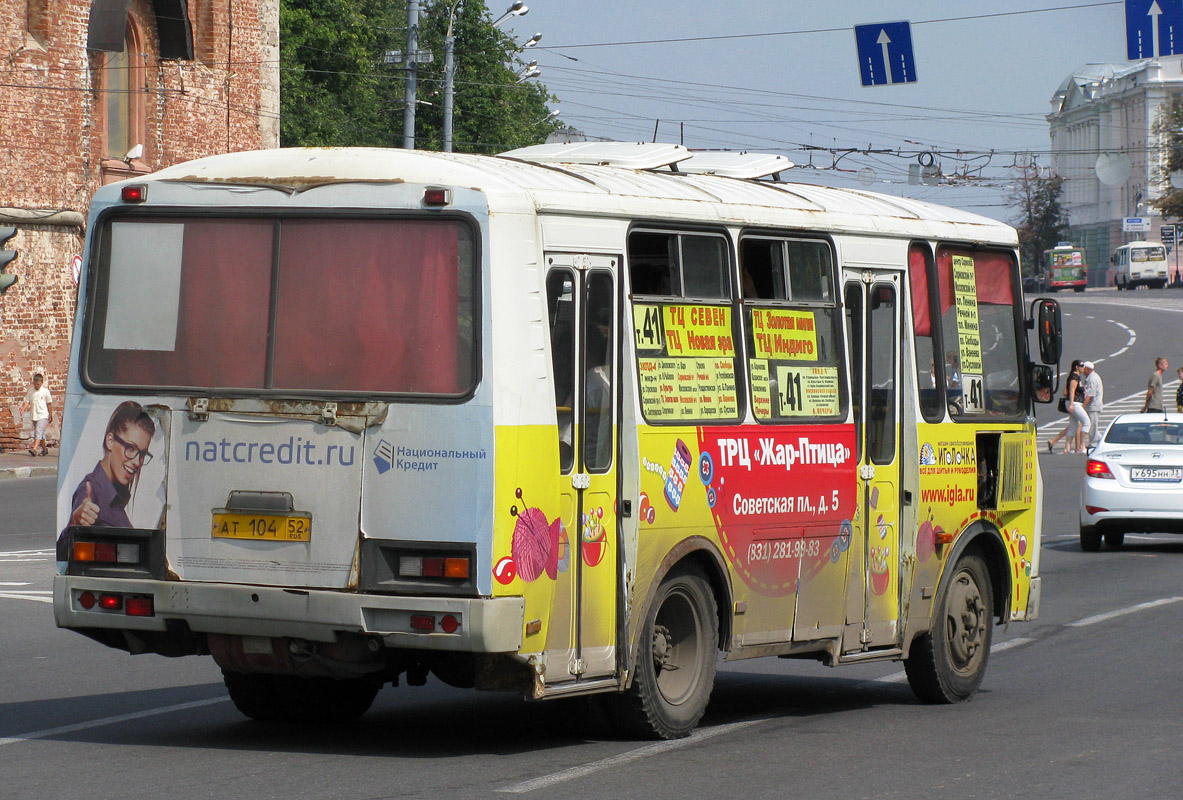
(1041, 222)
(335, 89)
(492, 111)
(1168, 130)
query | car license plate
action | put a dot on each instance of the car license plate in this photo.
(1156, 474)
(267, 527)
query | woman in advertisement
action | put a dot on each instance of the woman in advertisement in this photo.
(102, 497)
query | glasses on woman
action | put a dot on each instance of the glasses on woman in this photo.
(131, 452)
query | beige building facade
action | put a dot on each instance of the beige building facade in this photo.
(1104, 146)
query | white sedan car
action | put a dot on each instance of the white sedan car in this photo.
(1134, 480)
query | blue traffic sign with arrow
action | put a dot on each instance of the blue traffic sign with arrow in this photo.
(885, 53)
(1153, 28)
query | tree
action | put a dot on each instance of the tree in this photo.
(1041, 222)
(1168, 131)
(335, 89)
(492, 111)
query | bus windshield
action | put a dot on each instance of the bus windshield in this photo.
(1148, 254)
(289, 305)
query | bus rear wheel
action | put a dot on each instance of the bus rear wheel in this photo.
(676, 665)
(947, 664)
(271, 698)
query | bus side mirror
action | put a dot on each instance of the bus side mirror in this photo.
(1042, 383)
(1048, 327)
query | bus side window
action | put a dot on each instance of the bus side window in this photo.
(881, 339)
(678, 265)
(762, 266)
(927, 389)
(854, 335)
(653, 266)
(560, 300)
(597, 387)
(704, 267)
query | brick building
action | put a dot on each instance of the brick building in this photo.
(96, 91)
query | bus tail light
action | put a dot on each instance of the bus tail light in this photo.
(107, 552)
(433, 567)
(436, 196)
(133, 605)
(140, 606)
(448, 623)
(135, 193)
(1098, 469)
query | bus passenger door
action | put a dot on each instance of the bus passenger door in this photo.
(581, 296)
(873, 330)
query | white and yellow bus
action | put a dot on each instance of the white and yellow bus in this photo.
(566, 421)
(1140, 264)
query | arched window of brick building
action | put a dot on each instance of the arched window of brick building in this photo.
(37, 22)
(122, 86)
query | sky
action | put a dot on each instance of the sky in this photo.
(782, 76)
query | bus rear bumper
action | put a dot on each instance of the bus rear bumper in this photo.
(485, 625)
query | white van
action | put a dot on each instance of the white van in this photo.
(1140, 264)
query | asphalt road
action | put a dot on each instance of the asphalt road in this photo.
(1082, 703)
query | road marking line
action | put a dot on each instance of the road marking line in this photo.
(699, 735)
(901, 676)
(40, 597)
(1121, 612)
(98, 723)
(1129, 342)
(15, 583)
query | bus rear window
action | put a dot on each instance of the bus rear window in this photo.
(291, 306)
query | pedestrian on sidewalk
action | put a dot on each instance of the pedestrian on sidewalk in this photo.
(1153, 402)
(41, 401)
(1094, 400)
(1072, 403)
(1179, 391)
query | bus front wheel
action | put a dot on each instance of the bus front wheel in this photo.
(676, 665)
(947, 664)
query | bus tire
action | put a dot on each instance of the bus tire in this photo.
(254, 695)
(325, 699)
(947, 664)
(1090, 539)
(675, 669)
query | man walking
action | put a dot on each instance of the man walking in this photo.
(1094, 400)
(1153, 401)
(1179, 391)
(41, 402)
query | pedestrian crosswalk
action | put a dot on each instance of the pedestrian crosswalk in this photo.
(1126, 405)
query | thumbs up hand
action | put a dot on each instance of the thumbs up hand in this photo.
(87, 510)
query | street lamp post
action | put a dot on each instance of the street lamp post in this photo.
(517, 9)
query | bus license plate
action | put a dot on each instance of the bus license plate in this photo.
(267, 527)
(1157, 474)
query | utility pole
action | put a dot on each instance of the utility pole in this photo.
(449, 75)
(412, 73)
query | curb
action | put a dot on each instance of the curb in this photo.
(27, 472)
